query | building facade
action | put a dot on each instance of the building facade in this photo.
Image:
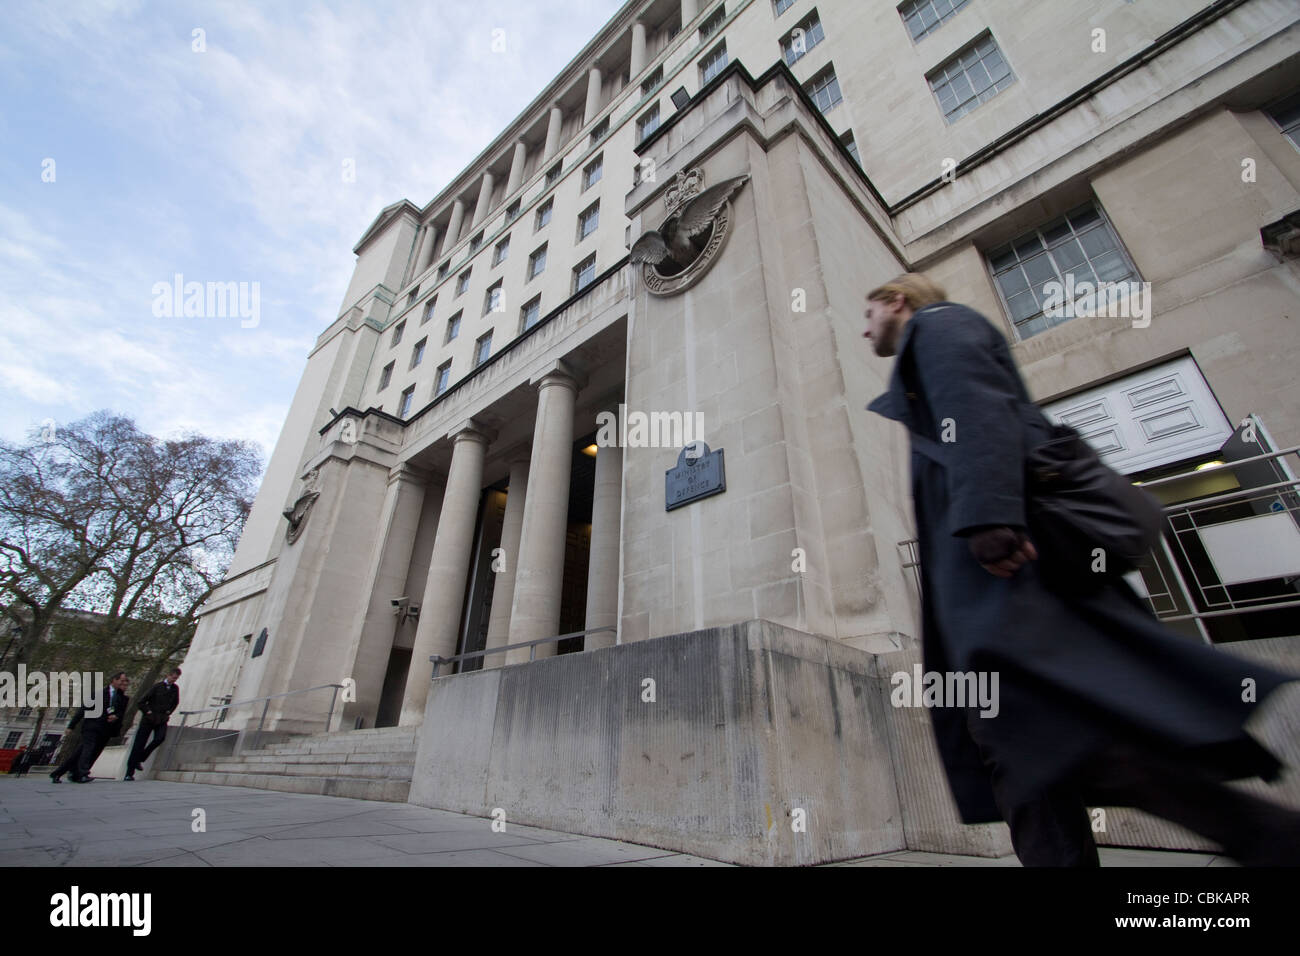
(1115, 185)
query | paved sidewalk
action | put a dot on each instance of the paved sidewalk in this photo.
(149, 823)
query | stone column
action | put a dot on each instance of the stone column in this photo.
(690, 10)
(453, 228)
(484, 198)
(554, 123)
(593, 96)
(638, 50)
(602, 569)
(444, 589)
(503, 593)
(535, 611)
(430, 247)
(375, 624)
(421, 250)
(516, 168)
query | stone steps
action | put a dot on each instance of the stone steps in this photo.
(372, 764)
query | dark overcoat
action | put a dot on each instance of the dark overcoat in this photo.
(1076, 673)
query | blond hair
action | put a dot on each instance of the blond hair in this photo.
(916, 288)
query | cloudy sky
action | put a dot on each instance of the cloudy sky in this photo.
(133, 149)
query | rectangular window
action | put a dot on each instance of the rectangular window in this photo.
(711, 24)
(11, 741)
(494, 299)
(713, 64)
(530, 313)
(923, 17)
(648, 123)
(512, 211)
(443, 270)
(824, 89)
(553, 175)
(415, 294)
(806, 35)
(592, 172)
(1286, 114)
(475, 243)
(537, 262)
(653, 81)
(24, 711)
(584, 273)
(404, 406)
(482, 348)
(544, 214)
(782, 6)
(397, 333)
(588, 220)
(453, 327)
(462, 283)
(1033, 270)
(600, 131)
(442, 378)
(61, 713)
(851, 145)
(970, 77)
(428, 310)
(500, 251)
(386, 376)
(417, 353)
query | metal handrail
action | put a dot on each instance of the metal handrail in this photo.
(257, 738)
(532, 645)
(1182, 475)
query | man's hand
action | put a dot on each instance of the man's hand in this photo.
(1002, 551)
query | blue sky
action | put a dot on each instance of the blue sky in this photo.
(226, 165)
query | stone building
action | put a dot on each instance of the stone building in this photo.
(443, 485)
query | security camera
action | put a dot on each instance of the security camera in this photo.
(400, 603)
(413, 612)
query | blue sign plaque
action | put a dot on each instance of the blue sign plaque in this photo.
(699, 473)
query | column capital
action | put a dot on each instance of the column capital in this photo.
(407, 472)
(472, 430)
(558, 372)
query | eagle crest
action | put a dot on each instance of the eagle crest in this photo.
(682, 236)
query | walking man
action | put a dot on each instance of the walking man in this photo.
(97, 730)
(1099, 703)
(155, 709)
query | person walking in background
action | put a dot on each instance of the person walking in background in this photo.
(1100, 705)
(155, 708)
(96, 730)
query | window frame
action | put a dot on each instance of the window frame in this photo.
(978, 98)
(532, 271)
(956, 6)
(703, 62)
(450, 335)
(417, 352)
(442, 378)
(809, 87)
(406, 401)
(594, 168)
(483, 340)
(588, 262)
(386, 376)
(547, 208)
(462, 282)
(534, 302)
(500, 251)
(807, 24)
(594, 210)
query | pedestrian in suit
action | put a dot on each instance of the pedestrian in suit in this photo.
(1100, 705)
(96, 731)
(155, 708)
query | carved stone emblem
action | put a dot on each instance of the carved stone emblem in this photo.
(297, 515)
(678, 254)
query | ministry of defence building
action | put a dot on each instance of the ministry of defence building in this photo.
(609, 387)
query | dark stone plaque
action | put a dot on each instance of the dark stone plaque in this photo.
(261, 643)
(694, 477)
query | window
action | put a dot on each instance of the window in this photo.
(712, 64)
(584, 273)
(648, 123)
(1078, 247)
(924, 16)
(537, 262)
(453, 327)
(1286, 115)
(653, 81)
(475, 243)
(824, 89)
(417, 353)
(442, 378)
(600, 131)
(404, 406)
(591, 173)
(482, 348)
(386, 376)
(512, 211)
(544, 214)
(11, 741)
(553, 175)
(24, 711)
(415, 294)
(61, 713)
(851, 145)
(428, 310)
(970, 77)
(397, 333)
(462, 283)
(494, 299)
(710, 26)
(802, 38)
(443, 270)
(588, 220)
(782, 6)
(500, 252)
(530, 313)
